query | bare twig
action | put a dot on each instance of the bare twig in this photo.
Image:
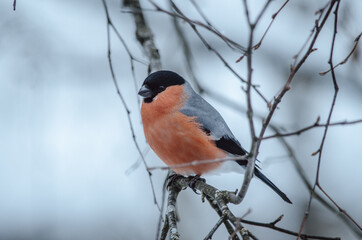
(249, 172)
(217, 225)
(139, 161)
(271, 225)
(132, 58)
(309, 186)
(314, 29)
(294, 69)
(315, 125)
(339, 208)
(240, 228)
(198, 9)
(109, 24)
(209, 47)
(198, 162)
(252, 155)
(14, 5)
(356, 41)
(219, 200)
(336, 89)
(256, 46)
(176, 185)
(189, 61)
(299, 169)
(227, 224)
(320, 150)
(229, 42)
(220, 197)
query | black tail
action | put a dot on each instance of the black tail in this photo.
(271, 185)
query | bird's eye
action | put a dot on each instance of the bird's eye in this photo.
(161, 88)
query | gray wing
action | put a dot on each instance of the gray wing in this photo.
(212, 122)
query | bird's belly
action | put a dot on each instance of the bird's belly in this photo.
(178, 139)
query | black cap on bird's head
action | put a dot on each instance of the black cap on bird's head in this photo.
(157, 82)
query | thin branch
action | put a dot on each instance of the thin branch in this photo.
(198, 162)
(246, 9)
(217, 225)
(249, 172)
(219, 200)
(300, 171)
(336, 89)
(14, 5)
(250, 112)
(209, 47)
(271, 225)
(356, 41)
(139, 161)
(315, 125)
(227, 223)
(294, 69)
(198, 9)
(109, 24)
(189, 61)
(220, 197)
(339, 208)
(320, 150)
(314, 29)
(256, 46)
(309, 186)
(132, 58)
(261, 13)
(229, 42)
(239, 228)
(237, 107)
(232, 44)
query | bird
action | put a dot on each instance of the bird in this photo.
(181, 127)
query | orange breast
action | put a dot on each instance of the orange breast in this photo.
(175, 137)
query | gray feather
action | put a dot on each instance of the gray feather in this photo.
(206, 115)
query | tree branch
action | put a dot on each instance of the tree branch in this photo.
(219, 201)
(209, 47)
(294, 69)
(320, 150)
(315, 125)
(271, 225)
(109, 25)
(144, 36)
(356, 41)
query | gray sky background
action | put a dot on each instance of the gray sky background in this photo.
(65, 142)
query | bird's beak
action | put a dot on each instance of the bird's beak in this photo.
(145, 92)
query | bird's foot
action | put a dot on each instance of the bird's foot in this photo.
(172, 178)
(193, 180)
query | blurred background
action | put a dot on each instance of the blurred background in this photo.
(65, 142)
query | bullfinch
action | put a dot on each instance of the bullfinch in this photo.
(181, 127)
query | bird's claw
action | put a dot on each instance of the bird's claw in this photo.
(172, 178)
(193, 181)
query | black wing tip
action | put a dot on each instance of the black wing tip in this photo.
(285, 198)
(271, 185)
